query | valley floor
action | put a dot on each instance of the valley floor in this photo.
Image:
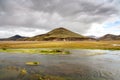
(112, 45)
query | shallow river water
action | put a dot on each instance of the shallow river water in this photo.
(82, 64)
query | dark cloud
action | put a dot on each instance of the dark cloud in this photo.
(77, 15)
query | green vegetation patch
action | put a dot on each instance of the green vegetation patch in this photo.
(32, 63)
(33, 51)
(55, 51)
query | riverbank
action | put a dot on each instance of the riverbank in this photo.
(109, 45)
(36, 51)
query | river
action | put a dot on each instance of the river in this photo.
(81, 64)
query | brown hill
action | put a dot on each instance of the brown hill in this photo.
(110, 37)
(58, 34)
(13, 38)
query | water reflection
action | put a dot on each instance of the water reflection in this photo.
(80, 65)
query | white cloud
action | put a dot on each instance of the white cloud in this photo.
(28, 32)
(81, 16)
(96, 29)
(99, 30)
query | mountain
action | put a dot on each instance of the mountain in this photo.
(92, 36)
(13, 38)
(61, 34)
(110, 37)
(58, 34)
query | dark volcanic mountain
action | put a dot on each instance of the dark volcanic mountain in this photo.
(13, 38)
(58, 34)
(110, 37)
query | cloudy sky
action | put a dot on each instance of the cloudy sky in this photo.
(33, 17)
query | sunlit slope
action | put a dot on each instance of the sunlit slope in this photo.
(58, 34)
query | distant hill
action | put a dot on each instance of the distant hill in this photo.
(13, 38)
(58, 34)
(61, 34)
(110, 37)
(92, 36)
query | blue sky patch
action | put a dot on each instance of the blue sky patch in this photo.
(113, 24)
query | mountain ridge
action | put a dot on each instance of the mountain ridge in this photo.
(109, 37)
(61, 34)
(58, 34)
(13, 38)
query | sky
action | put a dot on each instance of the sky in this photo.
(34, 17)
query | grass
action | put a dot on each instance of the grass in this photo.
(61, 44)
(32, 63)
(35, 50)
(55, 51)
(34, 46)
